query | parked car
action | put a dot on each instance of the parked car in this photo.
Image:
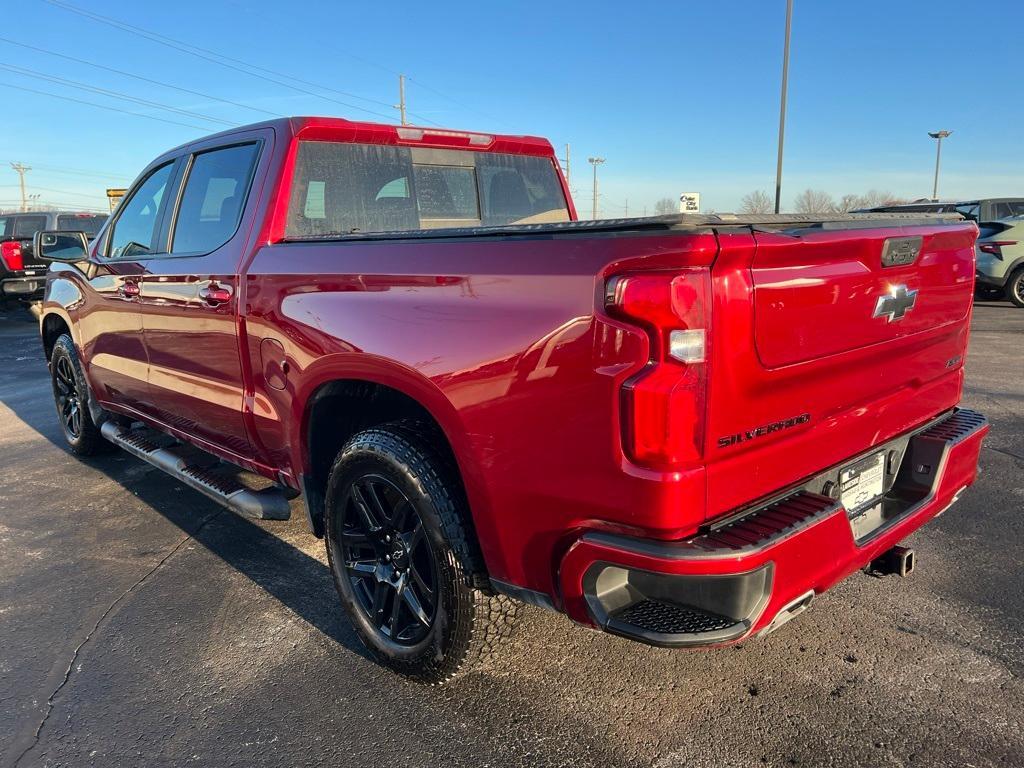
(1000, 267)
(22, 275)
(1000, 270)
(661, 427)
(983, 210)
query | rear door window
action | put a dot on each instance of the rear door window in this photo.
(214, 196)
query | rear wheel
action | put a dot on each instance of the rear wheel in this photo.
(1015, 287)
(71, 396)
(398, 544)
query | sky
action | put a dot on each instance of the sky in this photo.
(677, 97)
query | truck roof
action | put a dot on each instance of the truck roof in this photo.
(339, 129)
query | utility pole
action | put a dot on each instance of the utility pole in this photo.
(568, 168)
(21, 170)
(595, 161)
(400, 106)
(782, 106)
(626, 214)
(938, 136)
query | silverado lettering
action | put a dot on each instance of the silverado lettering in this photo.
(767, 429)
(394, 332)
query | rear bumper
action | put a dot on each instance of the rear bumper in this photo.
(994, 281)
(22, 286)
(754, 570)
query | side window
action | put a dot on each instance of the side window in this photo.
(26, 226)
(215, 192)
(135, 231)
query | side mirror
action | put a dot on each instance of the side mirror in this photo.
(69, 247)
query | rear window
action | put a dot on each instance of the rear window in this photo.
(25, 226)
(81, 222)
(342, 188)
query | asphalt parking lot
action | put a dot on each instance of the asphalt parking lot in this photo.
(142, 625)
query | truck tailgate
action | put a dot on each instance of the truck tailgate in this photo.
(828, 341)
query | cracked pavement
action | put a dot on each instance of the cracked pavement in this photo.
(140, 625)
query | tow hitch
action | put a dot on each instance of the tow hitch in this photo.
(898, 560)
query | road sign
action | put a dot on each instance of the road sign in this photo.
(689, 202)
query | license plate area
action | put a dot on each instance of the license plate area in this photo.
(863, 483)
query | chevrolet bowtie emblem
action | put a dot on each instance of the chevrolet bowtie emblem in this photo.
(896, 303)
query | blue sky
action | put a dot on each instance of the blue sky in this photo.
(677, 96)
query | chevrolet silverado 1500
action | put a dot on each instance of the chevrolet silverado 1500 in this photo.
(677, 429)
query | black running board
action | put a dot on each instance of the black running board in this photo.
(199, 471)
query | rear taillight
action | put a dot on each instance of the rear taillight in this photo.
(12, 256)
(664, 405)
(995, 247)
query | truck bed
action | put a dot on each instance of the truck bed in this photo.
(682, 222)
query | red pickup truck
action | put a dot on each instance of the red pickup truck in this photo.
(677, 429)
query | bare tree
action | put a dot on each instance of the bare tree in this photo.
(757, 202)
(814, 201)
(665, 206)
(870, 199)
(849, 203)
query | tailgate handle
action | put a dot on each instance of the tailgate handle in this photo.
(129, 289)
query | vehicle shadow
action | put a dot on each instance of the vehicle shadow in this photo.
(299, 581)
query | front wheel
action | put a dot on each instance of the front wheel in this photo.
(399, 547)
(71, 396)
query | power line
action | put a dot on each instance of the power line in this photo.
(59, 191)
(140, 77)
(217, 58)
(102, 106)
(112, 94)
(78, 172)
(384, 68)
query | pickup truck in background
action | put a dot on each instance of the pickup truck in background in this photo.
(676, 429)
(22, 275)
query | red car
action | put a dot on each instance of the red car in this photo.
(677, 429)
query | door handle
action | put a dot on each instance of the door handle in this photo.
(213, 293)
(129, 290)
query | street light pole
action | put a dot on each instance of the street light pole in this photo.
(782, 105)
(938, 136)
(400, 106)
(595, 161)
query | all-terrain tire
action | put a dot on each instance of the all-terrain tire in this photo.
(467, 623)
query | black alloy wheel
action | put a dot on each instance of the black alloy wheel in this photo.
(388, 559)
(69, 401)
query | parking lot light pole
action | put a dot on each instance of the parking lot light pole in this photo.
(782, 105)
(938, 136)
(594, 161)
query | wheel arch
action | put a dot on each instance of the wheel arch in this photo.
(350, 395)
(52, 325)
